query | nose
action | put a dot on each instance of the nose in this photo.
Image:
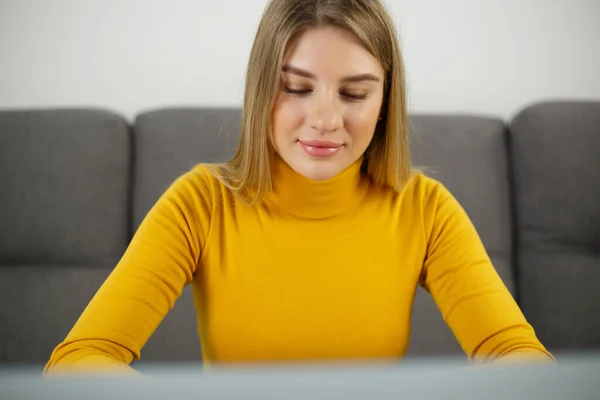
(325, 114)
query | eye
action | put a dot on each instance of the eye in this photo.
(353, 96)
(299, 92)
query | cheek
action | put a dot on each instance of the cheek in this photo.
(360, 124)
(287, 117)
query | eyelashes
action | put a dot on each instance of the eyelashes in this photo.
(305, 92)
(302, 92)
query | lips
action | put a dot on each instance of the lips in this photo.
(319, 148)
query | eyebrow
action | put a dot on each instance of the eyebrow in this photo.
(348, 79)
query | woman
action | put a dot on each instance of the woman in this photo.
(311, 241)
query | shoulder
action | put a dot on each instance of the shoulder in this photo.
(440, 210)
(430, 197)
(425, 190)
(201, 176)
(195, 189)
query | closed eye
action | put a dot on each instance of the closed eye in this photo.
(296, 91)
(304, 92)
(354, 96)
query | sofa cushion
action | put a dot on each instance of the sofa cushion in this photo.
(40, 304)
(64, 178)
(468, 155)
(556, 153)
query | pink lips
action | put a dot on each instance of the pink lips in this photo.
(319, 148)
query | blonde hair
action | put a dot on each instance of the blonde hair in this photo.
(386, 161)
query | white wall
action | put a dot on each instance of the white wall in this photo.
(484, 56)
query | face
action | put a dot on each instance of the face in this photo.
(329, 104)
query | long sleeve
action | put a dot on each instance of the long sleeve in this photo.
(160, 260)
(470, 294)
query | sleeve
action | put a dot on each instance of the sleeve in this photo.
(468, 291)
(160, 260)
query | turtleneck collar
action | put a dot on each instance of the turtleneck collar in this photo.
(310, 199)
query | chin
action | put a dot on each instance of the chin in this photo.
(320, 176)
(316, 172)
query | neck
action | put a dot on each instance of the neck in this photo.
(310, 199)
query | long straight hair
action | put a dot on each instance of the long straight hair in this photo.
(386, 161)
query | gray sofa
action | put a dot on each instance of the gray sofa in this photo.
(75, 184)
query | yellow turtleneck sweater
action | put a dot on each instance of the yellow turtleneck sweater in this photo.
(319, 270)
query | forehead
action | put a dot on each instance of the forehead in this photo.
(331, 52)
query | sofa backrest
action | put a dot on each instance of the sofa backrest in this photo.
(64, 221)
(170, 142)
(75, 184)
(555, 149)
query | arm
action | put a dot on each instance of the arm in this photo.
(160, 260)
(470, 294)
